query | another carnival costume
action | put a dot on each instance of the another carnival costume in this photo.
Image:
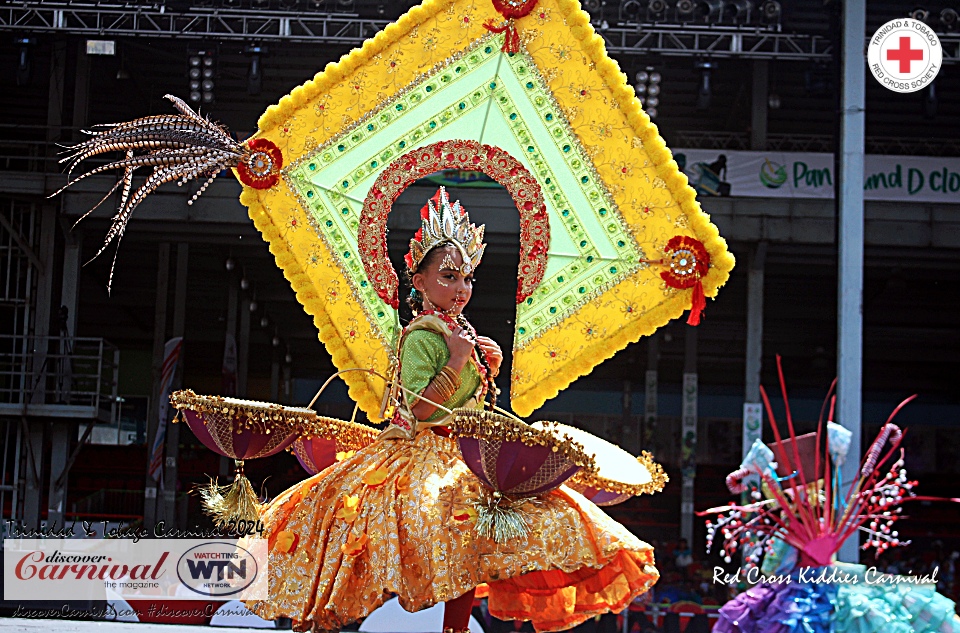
(795, 526)
(395, 518)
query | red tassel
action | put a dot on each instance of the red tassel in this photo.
(514, 40)
(698, 304)
(511, 38)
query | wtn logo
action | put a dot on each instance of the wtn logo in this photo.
(225, 569)
(221, 569)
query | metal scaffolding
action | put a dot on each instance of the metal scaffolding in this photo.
(220, 23)
(715, 41)
(197, 23)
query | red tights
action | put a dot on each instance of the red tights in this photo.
(456, 612)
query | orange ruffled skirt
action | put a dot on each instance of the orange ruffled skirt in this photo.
(397, 518)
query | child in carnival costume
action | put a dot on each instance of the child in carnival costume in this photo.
(525, 93)
(395, 518)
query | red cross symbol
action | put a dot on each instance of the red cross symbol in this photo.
(905, 54)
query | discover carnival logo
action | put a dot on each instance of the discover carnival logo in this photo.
(37, 565)
(95, 569)
(905, 55)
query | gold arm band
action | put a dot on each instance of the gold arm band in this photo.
(445, 384)
(444, 392)
(442, 384)
(442, 387)
(451, 375)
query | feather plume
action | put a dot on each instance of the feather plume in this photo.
(178, 147)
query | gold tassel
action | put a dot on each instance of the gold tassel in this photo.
(236, 501)
(500, 518)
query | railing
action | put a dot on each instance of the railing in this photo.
(59, 375)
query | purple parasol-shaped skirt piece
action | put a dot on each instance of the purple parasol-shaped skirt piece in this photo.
(230, 437)
(316, 453)
(514, 468)
(599, 497)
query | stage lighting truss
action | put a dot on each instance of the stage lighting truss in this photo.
(770, 12)
(201, 75)
(949, 19)
(630, 11)
(657, 10)
(648, 90)
(646, 27)
(736, 11)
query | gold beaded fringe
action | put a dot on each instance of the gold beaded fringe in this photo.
(234, 502)
(500, 518)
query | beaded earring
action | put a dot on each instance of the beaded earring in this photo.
(415, 297)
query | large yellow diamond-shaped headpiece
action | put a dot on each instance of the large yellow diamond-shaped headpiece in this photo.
(613, 242)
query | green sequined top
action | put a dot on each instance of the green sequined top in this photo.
(423, 355)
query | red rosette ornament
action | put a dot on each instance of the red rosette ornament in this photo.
(514, 9)
(511, 10)
(260, 165)
(687, 262)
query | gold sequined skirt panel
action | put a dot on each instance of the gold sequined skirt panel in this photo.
(397, 518)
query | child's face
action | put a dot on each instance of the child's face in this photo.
(442, 283)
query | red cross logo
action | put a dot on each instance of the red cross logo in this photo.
(894, 48)
(905, 54)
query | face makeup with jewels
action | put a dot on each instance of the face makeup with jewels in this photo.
(446, 288)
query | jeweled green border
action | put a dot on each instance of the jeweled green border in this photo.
(538, 312)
